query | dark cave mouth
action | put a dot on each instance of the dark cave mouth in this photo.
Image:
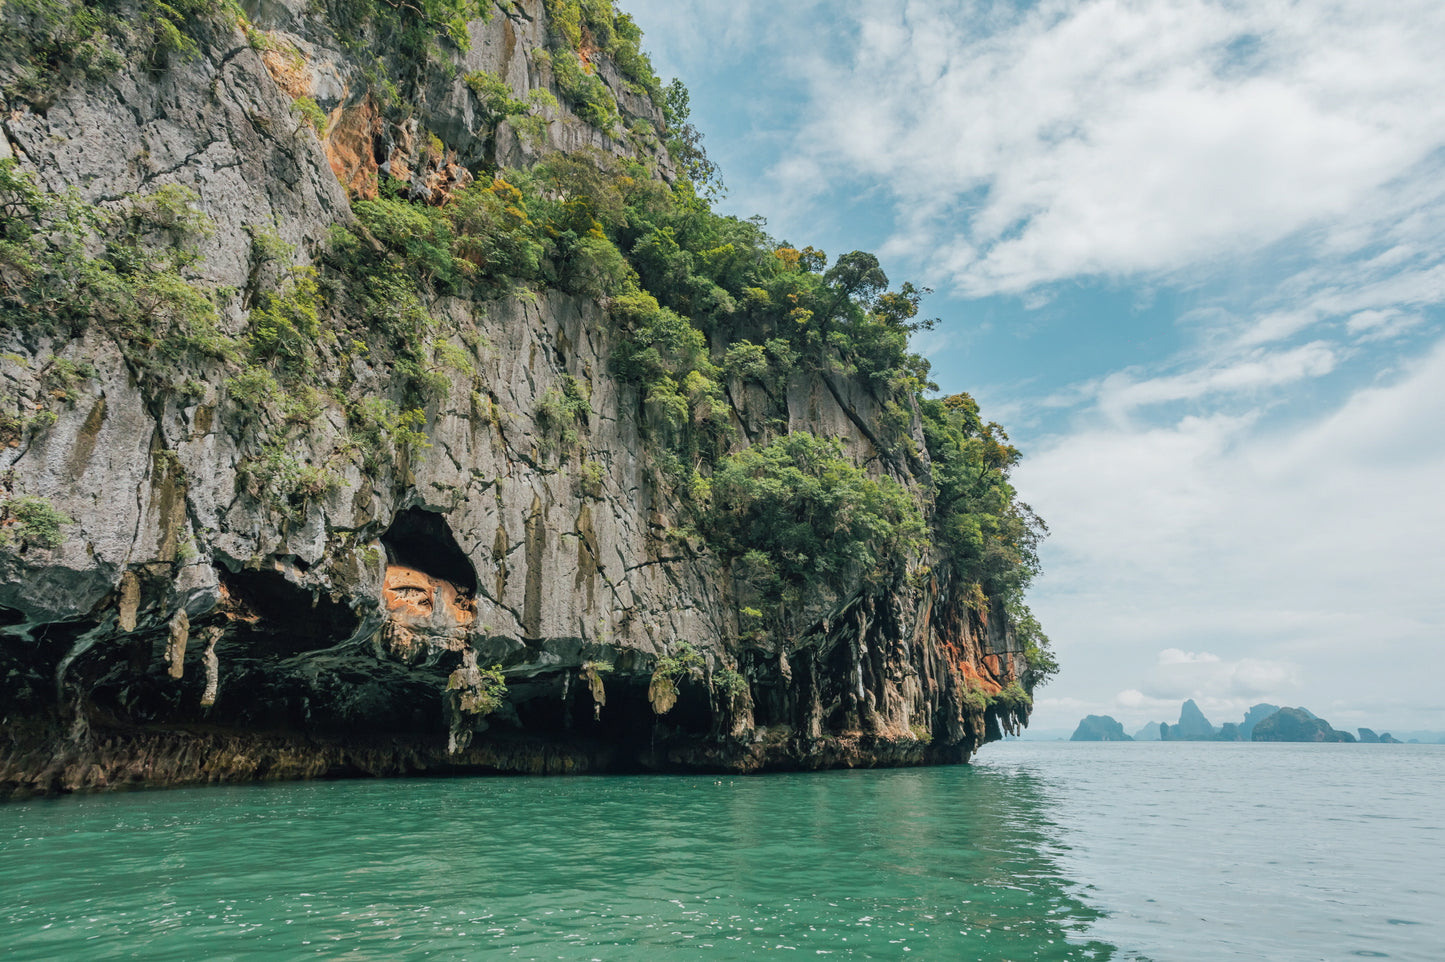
(423, 540)
(558, 708)
(283, 618)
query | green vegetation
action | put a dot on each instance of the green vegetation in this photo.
(684, 661)
(592, 476)
(1012, 698)
(63, 377)
(684, 142)
(975, 699)
(562, 410)
(27, 520)
(286, 323)
(584, 90)
(483, 690)
(65, 265)
(379, 427)
(731, 688)
(311, 114)
(991, 537)
(494, 96)
(1029, 634)
(275, 477)
(49, 43)
(581, 29)
(412, 33)
(16, 427)
(799, 516)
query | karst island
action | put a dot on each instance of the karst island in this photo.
(381, 394)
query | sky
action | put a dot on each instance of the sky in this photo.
(1191, 254)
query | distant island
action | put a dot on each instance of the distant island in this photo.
(1298, 725)
(1262, 723)
(1100, 728)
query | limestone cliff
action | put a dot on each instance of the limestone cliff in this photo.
(209, 575)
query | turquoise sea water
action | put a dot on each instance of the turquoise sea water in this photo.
(1165, 851)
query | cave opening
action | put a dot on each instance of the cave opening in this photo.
(281, 618)
(11, 617)
(627, 735)
(29, 659)
(423, 540)
(264, 623)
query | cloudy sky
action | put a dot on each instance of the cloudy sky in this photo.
(1192, 254)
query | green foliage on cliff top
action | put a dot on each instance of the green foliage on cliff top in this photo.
(799, 515)
(991, 536)
(583, 28)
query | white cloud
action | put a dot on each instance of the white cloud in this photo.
(1268, 560)
(1206, 677)
(1100, 137)
(1120, 392)
(1176, 656)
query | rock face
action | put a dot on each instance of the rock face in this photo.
(193, 626)
(1229, 732)
(1368, 737)
(1297, 725)
(1255, 715)
(1149, 733)
(1193, 726)
(1099, 728)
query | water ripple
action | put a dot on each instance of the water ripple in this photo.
(1053, 852)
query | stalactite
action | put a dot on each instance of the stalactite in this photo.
(213, 668)
(180, 633)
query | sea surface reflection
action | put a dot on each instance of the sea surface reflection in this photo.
(955, 863)
(1171, 852)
